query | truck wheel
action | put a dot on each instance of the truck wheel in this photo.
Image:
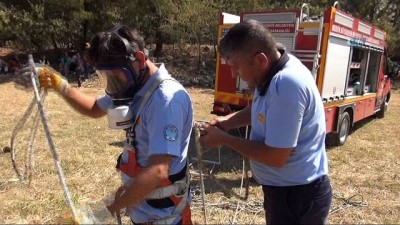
(344, 129)
(382, 109)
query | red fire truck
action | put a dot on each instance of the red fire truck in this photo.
(345, 55)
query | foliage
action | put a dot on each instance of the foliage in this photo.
(44, 24)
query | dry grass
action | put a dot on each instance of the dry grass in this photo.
(367, 166)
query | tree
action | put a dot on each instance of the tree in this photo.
(43, 24)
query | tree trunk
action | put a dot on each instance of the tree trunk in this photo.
(54, 42)
(200, 55)
(215, 47)
(36, 44)
(85, 24)
(159, 43)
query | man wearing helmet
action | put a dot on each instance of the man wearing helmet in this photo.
(154, 110)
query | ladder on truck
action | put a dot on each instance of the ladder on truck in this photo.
(309, 55)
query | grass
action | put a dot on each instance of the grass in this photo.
(366, 167)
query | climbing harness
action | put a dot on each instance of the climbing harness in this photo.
(173, 191)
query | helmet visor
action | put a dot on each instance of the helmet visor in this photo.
(115, 79)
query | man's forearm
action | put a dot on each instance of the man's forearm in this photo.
(146, 182)
(84, 104)
(258, 151)
(238, 119)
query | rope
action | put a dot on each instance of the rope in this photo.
(244, 177)
(240, 192)
(31, 149)
(225, 203)
(79, 215)
(17, 129)
(241, 204)
(199, 152)
(50, 142)
(355, 200)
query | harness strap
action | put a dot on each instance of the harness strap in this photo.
(178, 211)
(173, 191)
(147, 96)
(174, 185)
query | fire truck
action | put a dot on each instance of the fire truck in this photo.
(345, 55)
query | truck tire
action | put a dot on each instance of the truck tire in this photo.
(381, 113)
(344, 129)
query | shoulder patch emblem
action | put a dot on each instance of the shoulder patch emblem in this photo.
(170, 133)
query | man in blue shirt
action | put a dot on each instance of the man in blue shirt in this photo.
(287, 142)
(154, 110)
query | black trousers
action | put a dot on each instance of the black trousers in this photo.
(300, 204)
(179, 223)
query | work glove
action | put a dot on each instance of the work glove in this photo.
(51, 79)
(47, 76)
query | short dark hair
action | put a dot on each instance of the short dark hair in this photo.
(248, 36)
(115, 45)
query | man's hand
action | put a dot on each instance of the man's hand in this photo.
(219, 122)
(49, 78)
(213, 136)
(113, 207)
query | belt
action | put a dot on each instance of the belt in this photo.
(314, 182)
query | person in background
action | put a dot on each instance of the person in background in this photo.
(81, 68)
(286, 148)
(3, 66)
(154, 111)
(88, 69)
(13, 65)
(67, 63)
(74, 69)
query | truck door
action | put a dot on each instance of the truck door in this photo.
(282, 24)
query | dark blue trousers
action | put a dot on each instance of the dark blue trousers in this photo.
(300, 204)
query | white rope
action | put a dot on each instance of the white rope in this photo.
(31, 148)
(244, 173)
(50, 142)
(240, 192)
(199, 152)
(240, 202)
(17, 129)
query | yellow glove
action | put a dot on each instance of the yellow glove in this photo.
(49, 78)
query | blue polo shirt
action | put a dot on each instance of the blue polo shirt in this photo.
(290, 115)
(164, 127)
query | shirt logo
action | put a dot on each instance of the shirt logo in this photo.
(261, 118)
(170, 133)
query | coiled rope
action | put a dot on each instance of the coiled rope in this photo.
(78, 215)
(353, 201)
(28, 166)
